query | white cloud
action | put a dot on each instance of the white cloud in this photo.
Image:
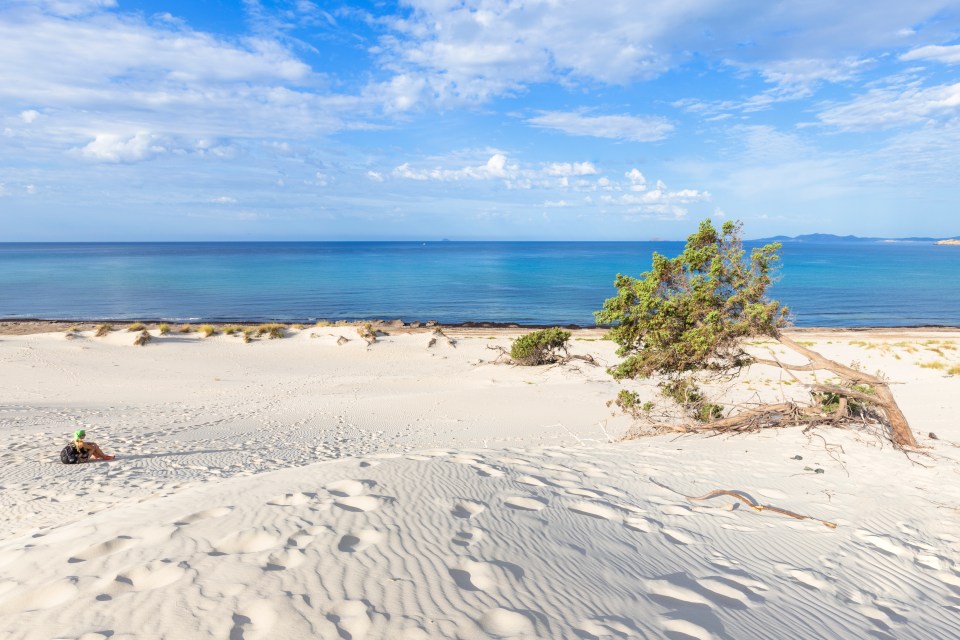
(375, 176)
(111, 147)
(638, 182)
(946, 54)
(320, 179)
(30, 189)
(84, 71)
(477, 49)
(495, 168)
(566, 169)
(224, 200)
(895, 106)
(556, 204)
(29, 115)
(618, 127)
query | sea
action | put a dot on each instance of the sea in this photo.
(847, 284)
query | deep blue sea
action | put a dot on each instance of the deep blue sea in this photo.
(528, 283)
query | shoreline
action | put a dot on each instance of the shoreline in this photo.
(29, 326)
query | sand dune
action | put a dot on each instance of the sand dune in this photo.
(297, 488)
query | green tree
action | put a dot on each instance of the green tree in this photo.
(689, 316)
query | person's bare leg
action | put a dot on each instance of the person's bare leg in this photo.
(95, 451)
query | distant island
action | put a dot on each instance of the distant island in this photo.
(829, 238)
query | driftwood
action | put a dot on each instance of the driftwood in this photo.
(882, 398)
(792, 414)
(566, 358)
(438, 334)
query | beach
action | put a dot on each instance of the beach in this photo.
(321, 485)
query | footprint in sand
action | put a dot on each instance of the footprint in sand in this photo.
(360, 540)
(285, 559)
(254, 621)
(810, 579)
(357, 503)
(687, 629)
(608, 627)
(468, 509)
(531, 481)
(247, 541)
(886, 544)
(152, 575)
(104, 549)
(291, 500)
(346, 488)
(468, 537)
(678, 536)
(673, 595)
(351, 619)
(473, 576)
(504, 623)
(639, 523)
(728, 593)
(218, 512)
(595, 510)
(585, 493)
(45, 597)
(525, 503)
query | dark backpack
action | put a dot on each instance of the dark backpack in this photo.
(70, 455)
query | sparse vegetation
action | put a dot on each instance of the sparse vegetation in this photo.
(366, 331)
(136, 326)
(540, 347)
(231, 329)
(954, 370)
(208, 330)
(323, 323)
(938, 365)
(248, 333)
(272, 330)
(143, 338)
(185, 328)
(103, 329)
(164, 328)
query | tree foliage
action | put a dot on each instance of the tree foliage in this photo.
(689, 313)
(539, 347)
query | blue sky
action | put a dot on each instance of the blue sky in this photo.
(476, 119)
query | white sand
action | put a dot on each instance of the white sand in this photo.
(296, 488)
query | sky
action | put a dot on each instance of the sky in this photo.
(476, 119)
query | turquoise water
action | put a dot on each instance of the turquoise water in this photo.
(847, 285)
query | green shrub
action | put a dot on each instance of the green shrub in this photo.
(686, 393)
(539, 347)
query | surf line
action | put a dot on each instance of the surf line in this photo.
(756, 506)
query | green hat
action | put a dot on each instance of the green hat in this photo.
(79, 434)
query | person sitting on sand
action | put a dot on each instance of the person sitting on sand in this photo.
(88, 449)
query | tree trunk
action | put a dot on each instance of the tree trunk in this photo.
(900, 433)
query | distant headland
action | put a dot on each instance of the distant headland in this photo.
(829, 238)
